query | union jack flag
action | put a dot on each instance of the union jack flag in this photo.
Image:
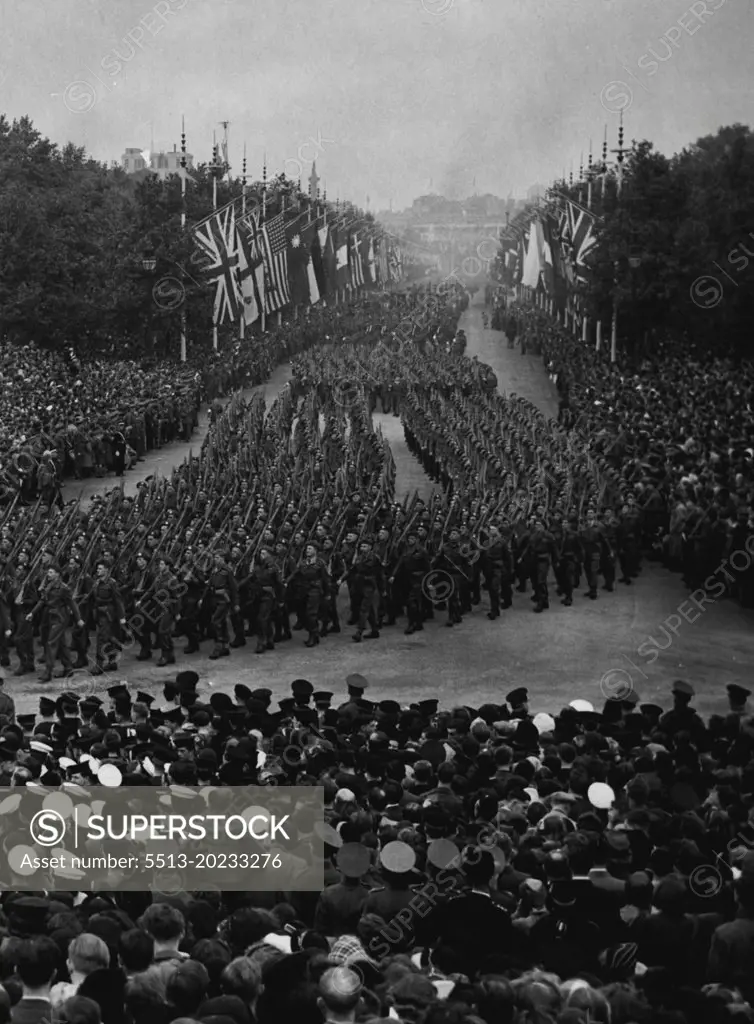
(274, 246)
(577, 237)
(217, 239)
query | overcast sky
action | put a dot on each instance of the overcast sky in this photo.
(389, 95)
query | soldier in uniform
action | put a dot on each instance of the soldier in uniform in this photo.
(348, 556)
(24, 597)
(81, 585)
(523, 555)
(629, 541)
(223, 593)
(168, 596)
(397, 862)
(682, 717)
(336, 570)
(340, 905)
(610, 527)
(281, 613)
(57, 601)
(314, 584)
(410, 571)
(570, 557)
(368, 577)
(140, 585)
(108, 612)
(195, 584)
(544, 553)
(594, 548)
(267, 590)
(498, 571)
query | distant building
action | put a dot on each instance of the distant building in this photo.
(161, 164)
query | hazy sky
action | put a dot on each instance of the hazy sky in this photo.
(387, 94)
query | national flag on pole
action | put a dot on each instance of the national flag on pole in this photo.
(328, 261)
(342, 238)
(371, 262)
(395, 261)
(382, 261)
(578, 239)
(251, 267)
(357, 270)
(303, 282)
(275, 253)
(218, 241)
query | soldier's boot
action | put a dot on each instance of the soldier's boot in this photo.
(97, 669)
(224, 651)
(608, 587)
(270, 645)
(166, 658)
(299, 625)
(81, 661)
(24, 668)
(261, 646)
(539, 607)
(192, 647)
(144, 654)
(217, 652)
(374, 635)
(567, 601)
(312, 640)
(238, 641)
(357, 636)
(591, 594)
(64, 673)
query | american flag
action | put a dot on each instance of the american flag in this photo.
(218, 241)
(275, 263)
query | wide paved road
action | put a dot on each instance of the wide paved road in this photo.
(590, 650)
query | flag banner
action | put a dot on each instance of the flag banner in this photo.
(342, 242)
(395, 261)
(578, 239)
(357, 270)
(535, 257)
(251, 267)
(218, 241)
(382, 262)
(300, 239)
(327, 283)
(275, 252)
(371, 263)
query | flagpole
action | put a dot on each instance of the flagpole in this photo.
(264, 218)
(242, 325)
(215, 161)
(183, 228)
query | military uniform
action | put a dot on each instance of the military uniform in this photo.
(410, 572)
(498, 570)
(107, 610)
(367, 574)
(57, 601)
(223, 592)
(314, 584)
(267, 590)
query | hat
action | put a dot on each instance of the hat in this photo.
(389, 707)
(46, 707)
(26, 722)
(518, 696)
(302, 688)
(651, 710)
(679, 686)
(397, 857)
(144, 698)
(242, 692)
(262, 694)
(322, 697)
(286, 705)
(356, 682)
(187, 680)
(354, 860)
(428, 707)
(737, 694)
(119, 690)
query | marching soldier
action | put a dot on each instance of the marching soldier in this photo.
(629, 541)
(610, 526)
(336, 570)
(24, 597)
(452, 561)
(195, 584)
(81, 585)
(57, 601)
(570, 557)
(410, 572)
(594, 548)
(223, 591)
(348, 556)
(498, 572)
(266, 588)
(544, 553)
(108, 612)
(312, 579)
(140, 585)
(368, 576)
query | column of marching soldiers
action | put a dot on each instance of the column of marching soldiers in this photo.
(257, 536)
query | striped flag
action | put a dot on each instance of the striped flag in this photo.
(357, 270)
(274, 251)
(251, 267)
(217, 239)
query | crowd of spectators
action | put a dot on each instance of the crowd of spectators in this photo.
(481, 864)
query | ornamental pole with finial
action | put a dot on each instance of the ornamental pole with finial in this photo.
(620, 153)
(264, 188)
(589, 177)
(183, 227)
(604, 162)
(242, 319)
